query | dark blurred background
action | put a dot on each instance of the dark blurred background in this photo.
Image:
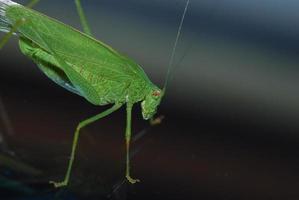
(231, 111)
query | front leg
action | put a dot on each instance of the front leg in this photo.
(128, 139)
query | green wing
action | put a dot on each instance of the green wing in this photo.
(97, 90)
(99, 65)
(69, 43)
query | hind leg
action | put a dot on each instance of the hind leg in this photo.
(14, 28)
(83, 19)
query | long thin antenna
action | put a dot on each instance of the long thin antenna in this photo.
(170, 64)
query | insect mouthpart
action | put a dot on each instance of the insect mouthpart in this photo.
(150, 104)
(156, 93)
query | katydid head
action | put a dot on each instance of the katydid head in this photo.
(150, 103)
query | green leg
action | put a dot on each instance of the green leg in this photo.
(8, 35)
(83, 19)
(156, 121)
(128, 139)
(75, 141)
(18, 23)
(32, 3)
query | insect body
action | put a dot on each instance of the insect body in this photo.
(82, 65)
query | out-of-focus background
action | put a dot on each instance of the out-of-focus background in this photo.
(231, 111)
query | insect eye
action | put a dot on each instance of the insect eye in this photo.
(156, 93)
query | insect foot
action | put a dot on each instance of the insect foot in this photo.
(58, 184)
(156, 121)
(131, 180)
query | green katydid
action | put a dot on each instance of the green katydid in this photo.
(83, 65)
